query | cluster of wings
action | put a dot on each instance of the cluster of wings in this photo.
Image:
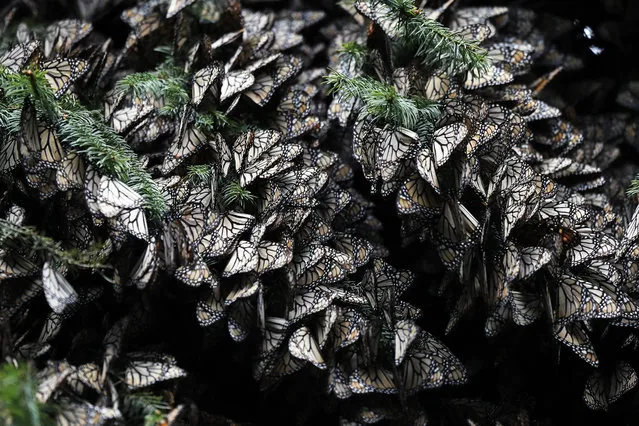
(506, 196)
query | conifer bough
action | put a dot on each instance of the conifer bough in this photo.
(436, 46)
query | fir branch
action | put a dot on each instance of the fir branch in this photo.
(144, 408)
(167, 84)
(355, 50)
(81, 129)
(109, 152)
(18, 403)
(383, 102)
(199, 174)
(433, 44)
(12, 236)
(235, 194)
(633, 189)
(213, 121)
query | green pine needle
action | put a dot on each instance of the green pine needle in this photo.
(633, 189)
(383, 102)
(233, 194)
(433, 44)
(18, 403)
(167, 84)
(109, 152)
(144, 408)
(199, 174)
(355, 50)
(13, 236)
(79, 128)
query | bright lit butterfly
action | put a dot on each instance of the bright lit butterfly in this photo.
(57, 290)
(75, 414)
(233, 83)
(242, 287)
(61, 73)
(266, 83)
(382, 15)
(202, 81)
(302, 345)
(309, 301)
(15, 59)
(50, 378)
(144, 369)
(225, 231)
(406, 331)
(71, 172)
(114, 196)
(188, 141)
(146, 268)
(573, 336)
(61, 36)
(175, 6)
(132, 221)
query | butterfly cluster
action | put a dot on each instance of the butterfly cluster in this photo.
(185, 209)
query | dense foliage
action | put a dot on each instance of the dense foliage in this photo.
(373, 211)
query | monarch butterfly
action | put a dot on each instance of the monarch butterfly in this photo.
(224, 232)
(603, 389)
(309, 301)
(85, 375)
(123, 119)
(210, 308)
(326, 271)
(61, 73)
(415, 196)
(372, 379)
(51, 378)
(242, 287)
(476, 15)
(176, 6)
(57, 290)
(517, 56)
(21, 54)
(241, 319)
(531, 260)
(71, 172)
(273, 255)
(393, 146)
(145, 269)
(273, 334)
(302, 345)
(573, 336)
(202, 81)
(195, 273)
(493, 75)
(132, 221)
(113, 196)
(381, 14)
(588, 246)
(145, 369)
(61, 36)
(188, 140)
(265, 84)
(406, 331)
(278, 367)
(235, 82)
